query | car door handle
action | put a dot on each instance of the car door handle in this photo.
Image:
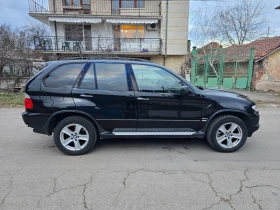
(142, 99)
(86, 96)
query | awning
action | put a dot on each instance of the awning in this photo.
(75, 20)
(132, 21)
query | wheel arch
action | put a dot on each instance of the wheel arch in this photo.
(240, 114)
(58, 116)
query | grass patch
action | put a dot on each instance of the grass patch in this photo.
(11, 99)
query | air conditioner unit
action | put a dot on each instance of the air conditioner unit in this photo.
(152, 27)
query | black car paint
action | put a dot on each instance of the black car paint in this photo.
(121, 109)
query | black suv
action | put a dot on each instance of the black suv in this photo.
(82, 101)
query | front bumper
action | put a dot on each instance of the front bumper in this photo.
(253, 130)
(37, 121)
(255, 123)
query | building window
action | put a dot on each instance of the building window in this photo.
(132, 31)
(73, 32)
(76, 3)
(132, 3)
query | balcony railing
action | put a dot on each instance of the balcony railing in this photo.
(97, 44)
(97, 7)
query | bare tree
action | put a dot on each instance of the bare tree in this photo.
(35, 31)
(12, 45)
(206, 32)
(244, 21)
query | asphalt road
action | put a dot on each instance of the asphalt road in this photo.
(138, 174)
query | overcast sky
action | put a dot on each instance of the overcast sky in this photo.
(15, 12)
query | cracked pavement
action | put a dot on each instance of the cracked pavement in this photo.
(138, 173)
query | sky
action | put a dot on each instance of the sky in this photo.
(15, 12)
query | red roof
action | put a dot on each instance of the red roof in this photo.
(263, 47)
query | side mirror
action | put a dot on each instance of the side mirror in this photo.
(185, 91)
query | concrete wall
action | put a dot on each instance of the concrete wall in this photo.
(267, 73)
(173, 62)
(178, 21)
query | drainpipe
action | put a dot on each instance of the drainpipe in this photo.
(166, 33)
(54, 8)
(55, 29)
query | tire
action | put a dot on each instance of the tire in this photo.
(227, 133)
(75, 136)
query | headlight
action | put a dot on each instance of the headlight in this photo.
(255, 108)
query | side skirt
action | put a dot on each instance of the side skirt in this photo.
(153, 133)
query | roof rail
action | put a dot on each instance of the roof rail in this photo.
(77, 58)
(106, 58)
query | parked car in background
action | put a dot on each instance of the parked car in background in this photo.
(83, 101)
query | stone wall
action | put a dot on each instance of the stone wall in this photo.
(266, 75)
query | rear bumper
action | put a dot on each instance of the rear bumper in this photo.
(36, 121)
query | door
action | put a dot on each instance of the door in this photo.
(117, 38)
(159, 104)
(88, 39)
(102, 91)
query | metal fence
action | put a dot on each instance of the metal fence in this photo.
(98, 44)
(97, 7)
(226, 68)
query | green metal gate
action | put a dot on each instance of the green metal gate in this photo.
(225, 68)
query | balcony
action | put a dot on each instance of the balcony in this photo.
(137, 8)
(101, 45)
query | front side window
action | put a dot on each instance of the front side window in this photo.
(132, 31)
(111, 76)
(154, 79)
(64, 76)
(132, 3)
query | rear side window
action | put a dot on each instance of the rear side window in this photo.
(88, 81)
(111, 76)
(64, 76)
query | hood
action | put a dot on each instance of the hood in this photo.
(222, 93)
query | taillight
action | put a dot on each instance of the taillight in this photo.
(28, 102)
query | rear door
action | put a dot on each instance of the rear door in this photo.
(103, 90)
(159, 104)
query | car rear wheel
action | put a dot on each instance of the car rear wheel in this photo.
(227, 133)
(75, 136)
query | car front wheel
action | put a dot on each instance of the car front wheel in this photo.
(75, 136)
(227, 133)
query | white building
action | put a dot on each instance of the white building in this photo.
(135, 28)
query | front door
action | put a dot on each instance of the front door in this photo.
(102, 91)
(159, 104)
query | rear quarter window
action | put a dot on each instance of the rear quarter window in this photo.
(64, 76)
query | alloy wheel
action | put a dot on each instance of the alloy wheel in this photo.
(229, 135)
(74, 137)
